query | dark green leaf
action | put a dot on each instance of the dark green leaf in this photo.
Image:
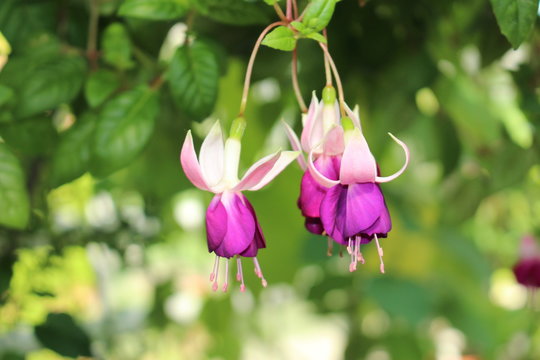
(516, 18)
(124, 127)
(193, 79)
(72, 156)
(35, 136)
(61, 334)
(318, 14)
(43, 82)
(116, 46)
(154, 9)
(235, 12)
(6, 95)
(14, 203)
(281, 38)
(99, 86)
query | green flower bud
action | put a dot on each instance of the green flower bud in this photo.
(329, 95)
(237, 128)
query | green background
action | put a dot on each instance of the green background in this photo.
(102, 240)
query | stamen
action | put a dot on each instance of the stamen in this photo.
(259, 272)
(351, 249)
(380, 250)
(226, 284)
(213, 274)
(239, 274)
(330, 247)
(215, 285)
(359, 256)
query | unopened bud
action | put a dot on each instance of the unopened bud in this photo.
(237, 128)
(329, 95)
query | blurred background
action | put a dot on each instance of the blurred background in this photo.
(102, 239)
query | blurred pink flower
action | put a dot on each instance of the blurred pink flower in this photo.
(527, 269)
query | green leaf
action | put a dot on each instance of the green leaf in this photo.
(35, 136)
(14, 203)
(124, 127)
(116, 47)
(193, 79)
(318, 14)
(516, 18)
(317, 37)
(6, 95)
(271, 2)
(281, 38)
(235, 12)
(154, 9)
(43, 82)
(99, 86)
(72, 156)
(62, 335)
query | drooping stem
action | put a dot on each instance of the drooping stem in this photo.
(296, 86)
(327, 64)
(295, 8)
(91, 43)
(249, 70)
(289, 10)
(279, 12)
(338, 79)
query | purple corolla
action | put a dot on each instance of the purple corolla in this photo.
(232, 227)
(340, 193)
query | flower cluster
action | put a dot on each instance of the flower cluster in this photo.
(340, 194)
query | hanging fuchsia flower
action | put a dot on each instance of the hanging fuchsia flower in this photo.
(322, 134)
(353, 210)
(232, 227)
(527, 269)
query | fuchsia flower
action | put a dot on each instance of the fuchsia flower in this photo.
(321, 120)
(232, 227)
(527, 269)
(342, 192)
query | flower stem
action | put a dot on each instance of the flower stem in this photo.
(289, 10)
(279, 12)
(91, 43)
(296, 86)
(295, 8)
(327, 64)
(249, 70)
(338, 79)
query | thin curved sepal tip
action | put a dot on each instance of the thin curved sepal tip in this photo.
(383, 179)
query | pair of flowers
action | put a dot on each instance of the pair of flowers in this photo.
(339, 196)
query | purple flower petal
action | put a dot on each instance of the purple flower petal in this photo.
(240, 228)
(311, 192)
(216, 223)
(347, 211)
(314, 225)
(258, 241)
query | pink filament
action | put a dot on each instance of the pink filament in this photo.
(259, 273)
(380, 250)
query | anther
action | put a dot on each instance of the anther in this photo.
(215, 285)
(226, 284)
(213, 274)
(330, 247)
(239, 274)
(259, 273)
(380, 250)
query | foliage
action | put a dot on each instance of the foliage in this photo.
(101, 236)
